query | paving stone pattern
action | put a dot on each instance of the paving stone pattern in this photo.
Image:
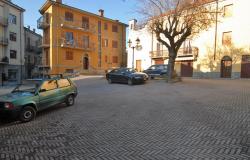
(194, 119)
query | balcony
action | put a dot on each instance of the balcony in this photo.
(42, 22)
(36, 49)
(3, 21)
(45, 44)
(74, 44)
(4, 41)
(78, 25)
(189, 52)
(4, 60)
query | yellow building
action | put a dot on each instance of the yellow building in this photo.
(78, 41)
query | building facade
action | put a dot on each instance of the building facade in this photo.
(33, 52)
(78, 41)
(220, 52)
(11, 42)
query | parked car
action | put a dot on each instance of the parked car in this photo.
(156, 70)
(126, 75)
(35, 95)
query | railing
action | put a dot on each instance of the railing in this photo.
(3, 21)
(42, 22)
(86, 27)
(4, 41)
(183, 52)
(45, 44)
(74, 44)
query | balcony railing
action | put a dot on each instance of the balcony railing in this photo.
(4, 41)
(3, 21)
(36, 49)
(74, 44)
(79, 25)
(42, 22)
(45, 44)
(183, 52)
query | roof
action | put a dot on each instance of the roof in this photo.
(29, 30)
(48, 3)
(14, 5)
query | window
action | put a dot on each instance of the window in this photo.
(12, 74)
(12, 54)
(114, 44)
(228, 10)
(114, 28)
(69, 55)
(85, 22)
(63, 83)
(227, 38)
(69, 16)
(49, 85)
(12, 36)
(85, 41)
(105, 26)
(12, 19)
(105, 42)
(115, 59)
(69, 38)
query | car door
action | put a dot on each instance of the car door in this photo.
(48, 94)
(65, 89)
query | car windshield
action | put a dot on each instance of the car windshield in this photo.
(29, 86)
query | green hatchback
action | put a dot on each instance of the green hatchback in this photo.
(36, 95)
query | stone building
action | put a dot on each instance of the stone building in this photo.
(33, 52)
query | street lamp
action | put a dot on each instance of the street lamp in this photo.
(137, 46)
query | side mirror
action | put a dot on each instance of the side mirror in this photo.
(42, 90)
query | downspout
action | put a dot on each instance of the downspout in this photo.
(216, 29)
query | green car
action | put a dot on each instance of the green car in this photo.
(36, 95)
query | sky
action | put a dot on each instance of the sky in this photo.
(122, 10)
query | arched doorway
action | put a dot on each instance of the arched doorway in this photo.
(85, 62)
(226, 67)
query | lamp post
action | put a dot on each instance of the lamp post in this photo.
(137, 46)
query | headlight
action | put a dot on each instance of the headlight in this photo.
(8, 105)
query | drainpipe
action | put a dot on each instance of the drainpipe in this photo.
(216, 29)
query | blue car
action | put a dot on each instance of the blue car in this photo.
(157, 70)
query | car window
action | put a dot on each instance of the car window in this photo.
(49, 85)
(63, 83)
(160, 67)
(114, 71)
(152, 67)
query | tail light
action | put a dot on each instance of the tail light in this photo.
(8, 105)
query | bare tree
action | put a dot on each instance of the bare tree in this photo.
(173, 21)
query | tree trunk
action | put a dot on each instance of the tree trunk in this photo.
(171, 64)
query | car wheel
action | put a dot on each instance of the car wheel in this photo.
(110, 81)
(27, 114)
(130, 82)
(70, 100)
(152, 77)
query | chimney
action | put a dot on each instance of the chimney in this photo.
(101, 12)
(34, 30)
(28, 27)
(59, 1)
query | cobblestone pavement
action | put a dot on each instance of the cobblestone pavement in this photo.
(194, 119)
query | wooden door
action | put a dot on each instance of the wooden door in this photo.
(245, 66)
(138, 65)
(187, 68)
(226, 69)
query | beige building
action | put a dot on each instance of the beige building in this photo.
(220, 52)
(11, 41)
